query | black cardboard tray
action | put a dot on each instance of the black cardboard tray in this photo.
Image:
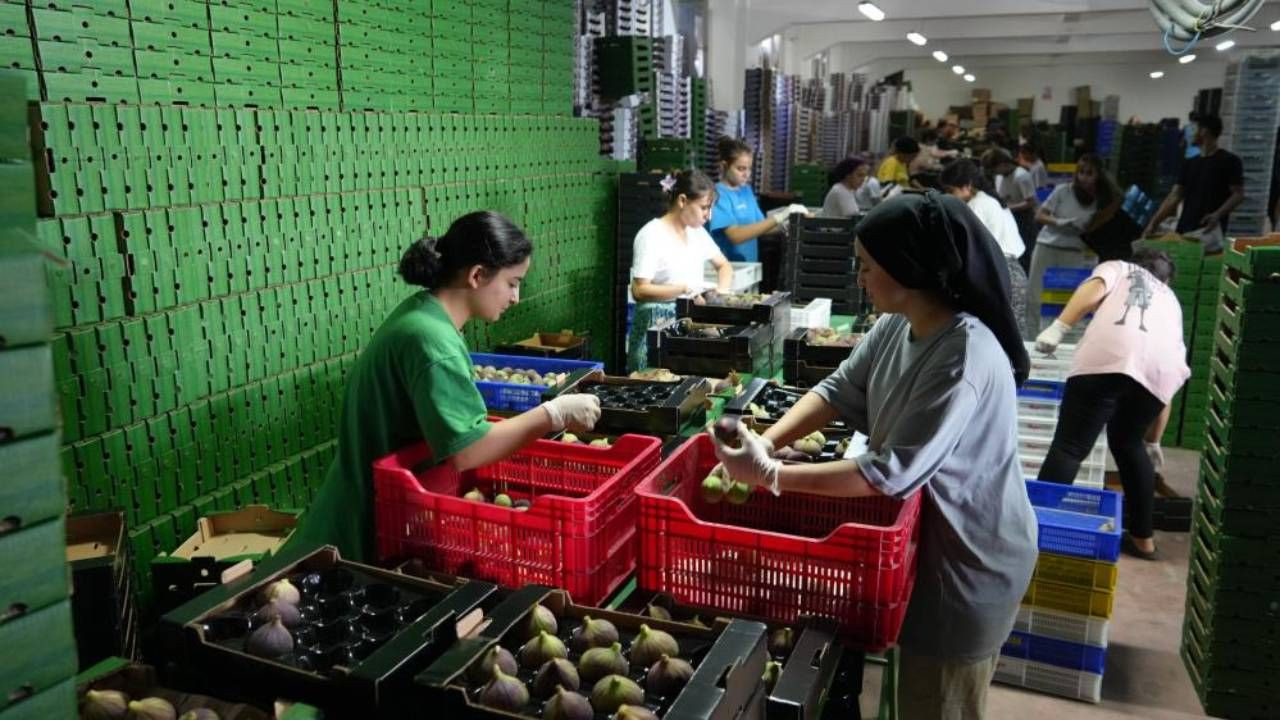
(775, 310)
(680, 402)
(775, 399)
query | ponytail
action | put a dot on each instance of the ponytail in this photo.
(483, 238)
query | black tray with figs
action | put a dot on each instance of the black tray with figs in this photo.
(643, 406)
(772, 309)
(587, 662)
(766, 402)
(686, 347)
(336, 634)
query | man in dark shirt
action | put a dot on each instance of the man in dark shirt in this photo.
(1209, 186)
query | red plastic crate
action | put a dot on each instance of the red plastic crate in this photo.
(778, 558)
(578, 535)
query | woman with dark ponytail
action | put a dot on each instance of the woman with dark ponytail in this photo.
(736, 219)
(670, 259)
(414, 381)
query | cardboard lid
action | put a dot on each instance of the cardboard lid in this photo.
(253, 530)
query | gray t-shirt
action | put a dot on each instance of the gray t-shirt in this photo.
(1062, 204)
(942, 415)
(840, 202)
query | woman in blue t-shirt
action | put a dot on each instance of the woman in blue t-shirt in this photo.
(736, 219)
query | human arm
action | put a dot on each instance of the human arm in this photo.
(750, 463)
(1233, 200)
(578, 412)
(1084, 300)
(724, 272)
(810, 413)
(1166, 209)
(646, 290)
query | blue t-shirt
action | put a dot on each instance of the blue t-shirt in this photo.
(735, 207)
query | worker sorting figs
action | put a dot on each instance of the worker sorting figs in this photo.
(413, 381)
(932, 385)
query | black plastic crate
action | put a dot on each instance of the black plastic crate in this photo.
(808, 674)
(774, 401)
(773, 310)
(642, 406)
(365, 633)
(677, 347)
(800, 345)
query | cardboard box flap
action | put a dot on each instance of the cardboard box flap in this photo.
(253, 530)
(94, 536)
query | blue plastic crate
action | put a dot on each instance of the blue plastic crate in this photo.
(1037, 389)
(1076, 521)
(1052, 651)
(1063, 278)
(518, 398)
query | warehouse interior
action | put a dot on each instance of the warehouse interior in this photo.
(627, 359)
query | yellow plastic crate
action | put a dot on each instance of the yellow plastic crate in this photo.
(1055, 297)
(1061, 168)
(1068, 598)
(1077, 572)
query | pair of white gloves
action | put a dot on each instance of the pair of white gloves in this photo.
(782, 215)
(578, 412)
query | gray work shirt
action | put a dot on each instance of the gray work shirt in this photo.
(1062, 204)
(941, 415)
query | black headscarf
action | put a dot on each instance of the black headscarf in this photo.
(935, 242)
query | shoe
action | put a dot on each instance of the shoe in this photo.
(1131, 548)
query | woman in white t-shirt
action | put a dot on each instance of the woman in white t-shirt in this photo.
(671, 254)
(965, 180)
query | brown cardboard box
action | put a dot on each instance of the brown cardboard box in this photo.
(981, 95)
(1026, 106)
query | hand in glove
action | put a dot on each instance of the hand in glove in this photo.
(576, 413)
(749, 464)
(1156, 454)
(798, 209)
(1051, 338)
(781, 216)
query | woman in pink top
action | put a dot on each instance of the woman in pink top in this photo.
(1127, 368)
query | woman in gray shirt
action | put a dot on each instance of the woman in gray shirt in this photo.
(933, 386)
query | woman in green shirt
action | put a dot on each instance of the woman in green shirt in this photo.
(413, 381)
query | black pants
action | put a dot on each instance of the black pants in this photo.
(1127, 409)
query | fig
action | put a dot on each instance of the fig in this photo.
(668, 676)
(713, 488)
(808, 446)
(634, 712)
(842, 447)
(555, 673)
(738, 493)
(497, 655)
(614, 691)
(600, 662)
(594, 633)
(270, 641)
(726, 429)
(772, 671)
(503, 500)
(657, 612)
(287, 612)
(504, 692)
(781, 641)
(522, 505)
(282, 590)
(541, 620)
(757, 412)
(818, 437)
(650, 645)
(152, 708)
(104, 705)
(569, 438)
(601, 443)
(199, 714)
(474, 495)
(539, 650)
(567, 705)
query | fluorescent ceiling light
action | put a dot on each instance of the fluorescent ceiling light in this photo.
(1225, 45)
(957, 69)
(1157, 74)
(917, 39)
(871, 10)
(1275, 26)
(968, 77)
(939, 56)
(1186, 59)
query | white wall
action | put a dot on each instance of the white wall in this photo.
(936, 89)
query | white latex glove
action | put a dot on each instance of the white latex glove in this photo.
(749, 464)
(781, 216)
(577, 412)
(1156, 454)
(1051, 338)
(798, 209)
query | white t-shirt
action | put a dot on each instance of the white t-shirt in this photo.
(664, 258)
(999, 222)
(841, 202)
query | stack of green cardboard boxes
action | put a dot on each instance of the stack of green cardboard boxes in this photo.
(810, 183)
(37, 675)
(1231, 633)
(1199, 340)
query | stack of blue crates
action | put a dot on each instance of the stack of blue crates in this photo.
(1250, 115)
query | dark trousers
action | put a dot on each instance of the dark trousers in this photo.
(1126, 409)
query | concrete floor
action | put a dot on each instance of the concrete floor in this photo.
(1145, 677)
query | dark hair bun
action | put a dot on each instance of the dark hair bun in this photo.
(420, 264)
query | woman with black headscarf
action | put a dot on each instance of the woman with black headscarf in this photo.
(933, 386)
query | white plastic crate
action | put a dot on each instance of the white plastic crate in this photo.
(817, 314)
(1044, 367)
(1033, 448)
(746, 277)
(1083, 629)
(1074, 684)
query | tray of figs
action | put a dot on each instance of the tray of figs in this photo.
(339, 635)
(640, 406)
(740, 309)
(766, 402)
(540, 656)
(712, 350)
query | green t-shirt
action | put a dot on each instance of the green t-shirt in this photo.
(412, 382)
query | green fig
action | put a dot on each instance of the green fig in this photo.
(282, 590)
(199, 714)
(152, 708)
(781, 641)
(504, 692)
(603, 661)
(270, 641)
(503, 500)
(772, 671)
(818, 437)
(808, 446)
(567, 705)
(668, 676)
(594, 633)
(541, 620)
(657, 612)
(569, 438)
(650, 645)
(614, 691)
(634, 712)
(474, 495)
(104, 705)
(713, 489)
(738, 493)
(553, 674)
(540, 649)
(601, 443)
(497, 655)
(522, 505)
